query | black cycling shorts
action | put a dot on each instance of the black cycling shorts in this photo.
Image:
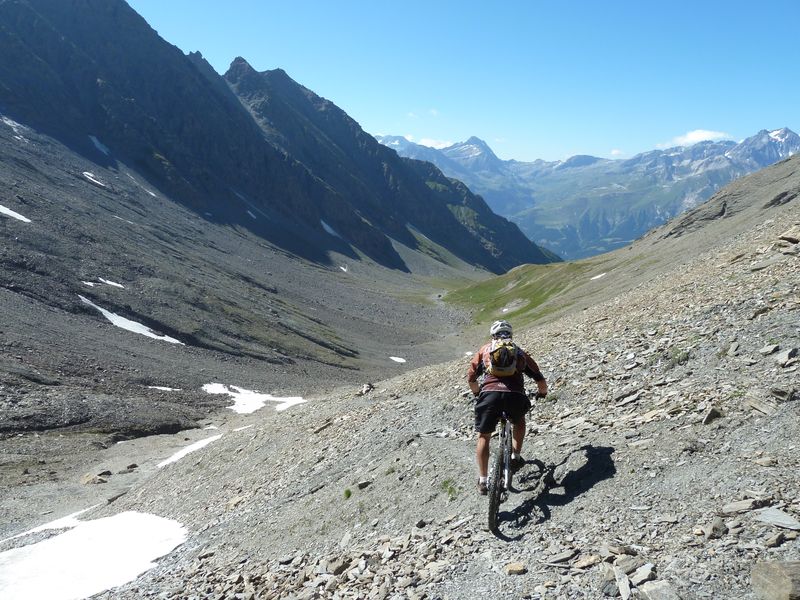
(491, 404)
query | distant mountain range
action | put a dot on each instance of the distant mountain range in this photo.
(586, 205)
(277, 159)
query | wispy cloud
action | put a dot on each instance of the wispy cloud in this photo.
(697, 135)
(433, 112)
(431, 143)
(412, 115)
(616, 152)
(438, 144)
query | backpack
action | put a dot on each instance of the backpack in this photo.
(502, 358)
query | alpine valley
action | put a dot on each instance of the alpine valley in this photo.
(586, 205)
(235, 328)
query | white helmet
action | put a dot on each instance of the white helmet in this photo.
(500, 327)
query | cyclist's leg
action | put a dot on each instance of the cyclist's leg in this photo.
(487, 413)
(518, 435)
(482, 454)
(517, 406)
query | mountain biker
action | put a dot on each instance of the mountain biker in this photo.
(497, 393)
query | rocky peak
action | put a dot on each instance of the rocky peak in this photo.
(474, 153)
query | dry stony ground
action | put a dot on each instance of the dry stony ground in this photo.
(671, 426)
(671, 430)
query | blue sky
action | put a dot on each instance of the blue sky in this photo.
(534, 79)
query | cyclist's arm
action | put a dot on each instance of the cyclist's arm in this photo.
(532, 370)
(474, 371)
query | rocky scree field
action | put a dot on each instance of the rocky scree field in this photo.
(670, 430)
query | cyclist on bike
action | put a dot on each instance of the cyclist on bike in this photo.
(497, 393)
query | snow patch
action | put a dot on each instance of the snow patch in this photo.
(247, 401)
(188, 450)
(100, 145)
(343, 268)
(107, 282)
(13, 215)
(598, 276)
(397, 359)
(163, 388)
(779, 135)
(92, 557)
(243, 428)
(62, 523)
(126, 220)
(141, 186)
(129, 325)
(330, 230)
(91, 177)
(16, 128)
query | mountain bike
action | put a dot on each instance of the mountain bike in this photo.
(500, 477)
(499, 484)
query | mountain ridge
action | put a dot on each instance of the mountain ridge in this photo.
(586, 205)
(103, 72)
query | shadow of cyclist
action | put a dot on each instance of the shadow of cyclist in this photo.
(540, 482)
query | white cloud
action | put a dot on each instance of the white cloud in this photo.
(616, 152)
(438, 144)
(694, 136)
(433, 112)
(412, 115)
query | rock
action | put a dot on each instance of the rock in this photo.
(363, 484)
(778, 518)
(766, 263)
(783, 394)
(623, 583)
(658, 590)
(775, 540)
(773, 580)
(234, 502)
(711, 414)
(647, 572)
(769, 349)
(92, 479)
(733, 349)
(562, 556)
(792, 235)
(515, 568)
(716, 530)
(609, 550)
(742, 506)
(784, 357)
(766, 461)
(628, 564)
(365, 389)
(587, 561)
(762, 406)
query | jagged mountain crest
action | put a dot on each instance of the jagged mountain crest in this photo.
(391, 193)
(586, 205)
(474, 154)
(103, 73)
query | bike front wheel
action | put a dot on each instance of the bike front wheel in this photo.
(497, 481)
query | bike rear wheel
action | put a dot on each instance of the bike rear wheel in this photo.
(499, 481)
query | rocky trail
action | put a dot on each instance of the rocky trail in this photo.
(670, 434)
(671, 428)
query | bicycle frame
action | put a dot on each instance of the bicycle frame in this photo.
(500, 478)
